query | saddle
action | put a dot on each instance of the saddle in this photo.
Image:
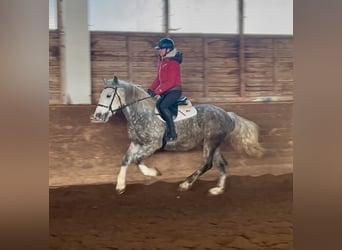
(183, 109)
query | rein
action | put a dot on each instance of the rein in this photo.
(121, 105)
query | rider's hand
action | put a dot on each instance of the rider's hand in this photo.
(151, 93)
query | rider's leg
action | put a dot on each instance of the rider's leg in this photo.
(166, 102)
(172, 135)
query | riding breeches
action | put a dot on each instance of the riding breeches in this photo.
(166, 105)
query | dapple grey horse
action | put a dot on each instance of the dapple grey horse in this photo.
(211, 126)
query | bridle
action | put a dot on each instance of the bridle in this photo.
(122, 106)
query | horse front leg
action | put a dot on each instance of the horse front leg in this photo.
(121, 179)
(127, 159)
(135, 153)
(148, 171)
(142, 152)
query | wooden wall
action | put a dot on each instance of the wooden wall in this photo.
(54, 69)
(211, 68)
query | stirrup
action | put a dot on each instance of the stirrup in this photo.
(171, 138)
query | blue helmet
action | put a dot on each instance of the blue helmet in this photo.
(165, 43)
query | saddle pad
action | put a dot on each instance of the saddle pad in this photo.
(184, 112)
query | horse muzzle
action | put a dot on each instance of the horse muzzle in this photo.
(99, 117)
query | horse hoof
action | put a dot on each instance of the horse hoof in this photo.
(215, 191)
(158, 172)
(184, 186)
(120, 191)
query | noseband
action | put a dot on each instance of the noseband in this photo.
(122, 106)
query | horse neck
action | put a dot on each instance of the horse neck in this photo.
(138, 108)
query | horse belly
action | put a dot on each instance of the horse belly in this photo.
(189, 136)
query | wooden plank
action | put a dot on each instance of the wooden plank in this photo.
(222, 90)
(54, 68)
(205, 67)
(242, 48)
(192, 94)
(228, 82)
(197, 87)
(129, 59)
(216, 62)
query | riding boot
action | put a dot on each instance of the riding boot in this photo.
(174, 110)
(171, 135)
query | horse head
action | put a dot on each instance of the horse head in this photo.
(110, 101)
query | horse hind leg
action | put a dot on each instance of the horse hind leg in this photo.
(222, 164)
(207, 162)
(189, 181)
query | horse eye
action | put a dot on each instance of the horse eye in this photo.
(109, 95)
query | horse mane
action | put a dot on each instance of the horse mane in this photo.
(133, 91)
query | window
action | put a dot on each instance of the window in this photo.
(123, 15)
(186, 16)
(204, 16)
(268, 17)
(53, 14)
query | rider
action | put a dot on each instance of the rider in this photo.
(167, 83)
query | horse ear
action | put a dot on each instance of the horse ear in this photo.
(104, 81)
(115, 80)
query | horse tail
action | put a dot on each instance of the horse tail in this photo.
(245, 136)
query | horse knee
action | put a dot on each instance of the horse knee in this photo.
(138, 160)
(126, 160)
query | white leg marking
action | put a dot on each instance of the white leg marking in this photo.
(121, 181)
(216, 191)
(148, 171)
(184, 186)
(219, 189)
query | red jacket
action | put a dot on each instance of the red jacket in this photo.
(168, 75)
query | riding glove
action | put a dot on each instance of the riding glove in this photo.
(151, 93)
